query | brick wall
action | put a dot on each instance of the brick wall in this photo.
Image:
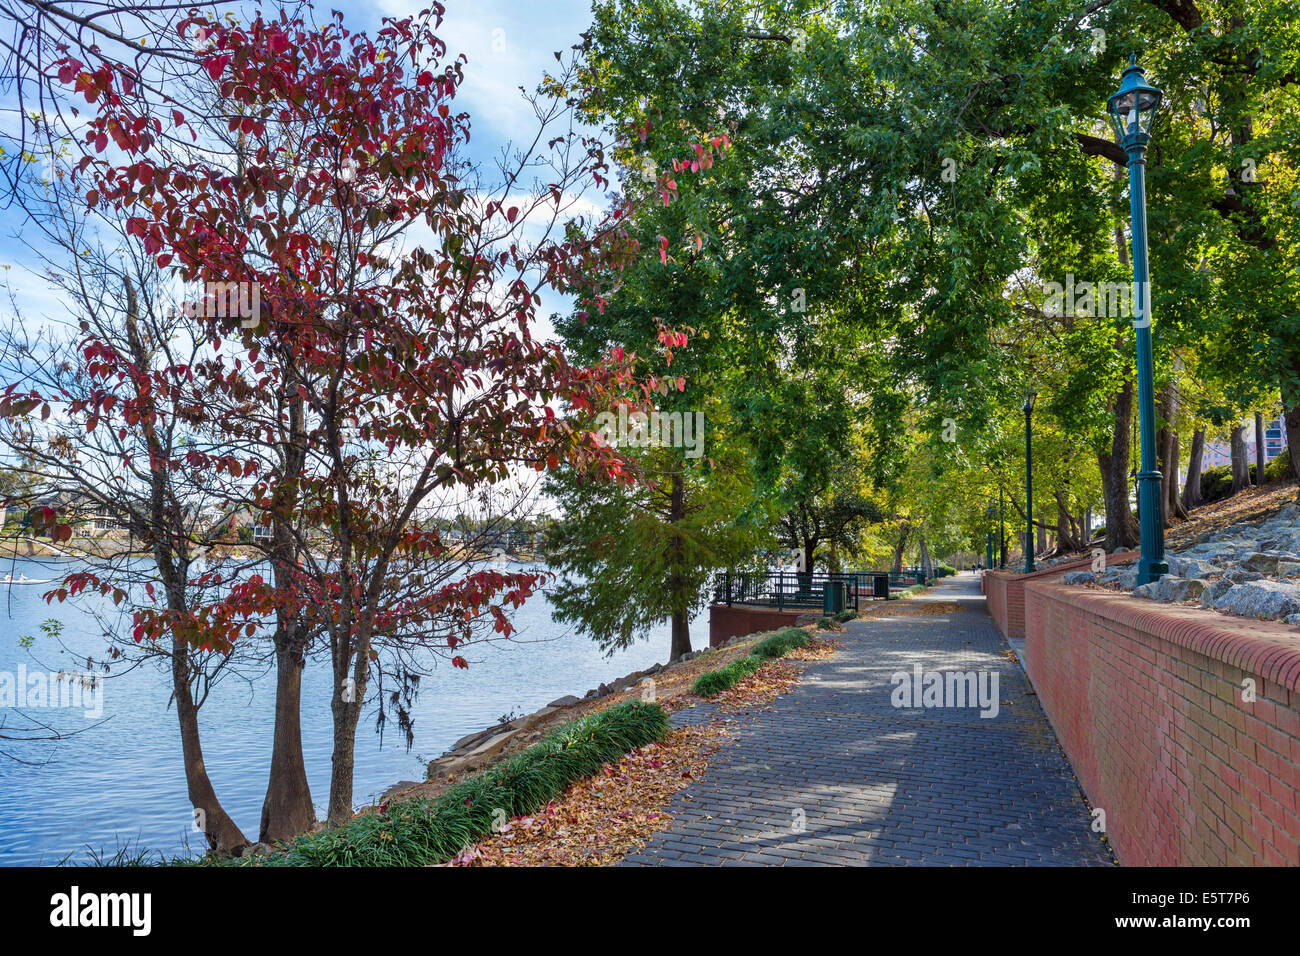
(1147, 701)
(1005, 590)
(737, 620)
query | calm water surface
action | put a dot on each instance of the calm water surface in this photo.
(122, 782)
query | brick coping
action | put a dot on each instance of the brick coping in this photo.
(1267, 648)
(1118, 557)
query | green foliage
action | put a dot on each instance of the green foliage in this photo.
(423, 832)
(846, 616)
(778, 645)
(711, 683)
(1279, 469)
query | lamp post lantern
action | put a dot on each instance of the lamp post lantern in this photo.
(1132, 110)
(1029, 483)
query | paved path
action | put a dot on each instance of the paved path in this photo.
(881, 785)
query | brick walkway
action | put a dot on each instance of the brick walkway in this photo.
(880, 785)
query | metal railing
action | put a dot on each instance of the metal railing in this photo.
(795, 589)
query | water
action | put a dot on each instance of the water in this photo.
(122, 782)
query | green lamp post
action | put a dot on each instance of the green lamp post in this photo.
(1029, 483)
(1002, 533)
(1132, 110)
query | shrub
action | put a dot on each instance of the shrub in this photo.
(846, 615)
(779, 645)
(826, 622)
(712, 683)
(1279, 469)
(420, 832)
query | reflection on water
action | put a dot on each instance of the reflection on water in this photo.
(123, 781)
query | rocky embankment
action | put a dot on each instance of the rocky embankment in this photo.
(1250, 569)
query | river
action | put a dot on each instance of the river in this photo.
(121, 783)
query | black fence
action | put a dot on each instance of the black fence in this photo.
(795, 589)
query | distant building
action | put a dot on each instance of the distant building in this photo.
(1220, 452)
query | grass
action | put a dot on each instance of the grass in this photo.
(421, 832)
(712, 683)
(846, 615)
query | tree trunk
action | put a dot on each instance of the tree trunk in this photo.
(1240, 464)
(287, 808)
(1259, 448)
(681, 634)
(1167, 452)
(1192, 490)
(1121, 528)
(210, 816)
(927, 567)
(901, 546)
(1292, 421)
(350, 673)
(1066, 536)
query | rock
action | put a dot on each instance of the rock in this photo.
(536, 717)
(1288, 569)
(469, 741)
(593, 693)
(563, 702)
(1272, 600)
(490, 747)
(1266, 562)
(1185, 566)
(396, 789)
(602, 690)
(1293, 620)
(810, 617)
(1171, 588)
(1079, 577)
(1124, 577)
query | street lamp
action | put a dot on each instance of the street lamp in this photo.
(1002, 533)
(1029, 483)
(1132, 110)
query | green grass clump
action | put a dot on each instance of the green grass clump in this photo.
(779, 645)
(420, 832)
(711, 683)
(846, 615)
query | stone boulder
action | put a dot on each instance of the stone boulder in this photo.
(566, 701)
(1124, 577)
(1171, 588)
(1188, 566)
(1270, 600)
(1079, 577)
(1266, 562)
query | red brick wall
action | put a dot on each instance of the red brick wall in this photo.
(737, 621)
(1146, 699)
(1006, 590)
